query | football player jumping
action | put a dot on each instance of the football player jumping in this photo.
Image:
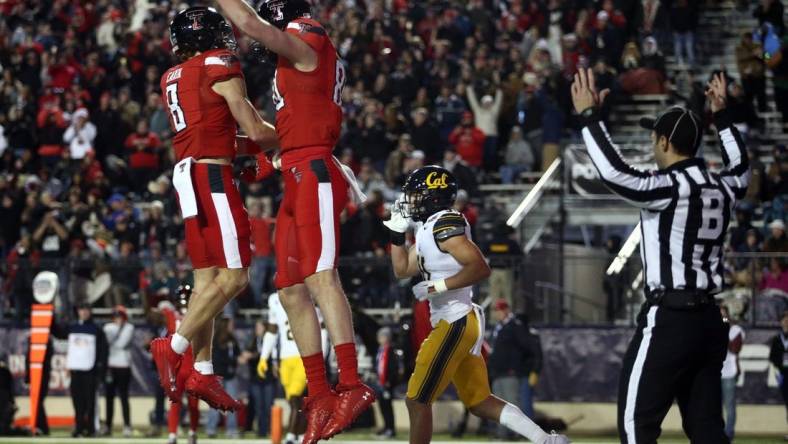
(450, 264)
(307, 91)
(206, 96)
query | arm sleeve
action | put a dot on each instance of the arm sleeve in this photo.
(653, 191)
(309, 32)
(69, 135)
(734, 155)
(269, 342)
(272, 303)
(89, 132)
(448, 226)
(221, 66)
(498, 102)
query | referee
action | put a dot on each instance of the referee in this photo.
(681, 339)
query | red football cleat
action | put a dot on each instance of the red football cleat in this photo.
(352, 402)
(209, 389)
(318, 413)
(168, 364)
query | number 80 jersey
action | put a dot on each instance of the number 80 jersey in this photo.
(200, 118)
(308, 104)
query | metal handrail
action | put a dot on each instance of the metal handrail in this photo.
(530, 199)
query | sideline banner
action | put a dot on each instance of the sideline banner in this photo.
(580, 364)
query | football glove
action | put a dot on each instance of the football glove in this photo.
(428, 289)
(262, 368)
(264, 168)
(397, 224)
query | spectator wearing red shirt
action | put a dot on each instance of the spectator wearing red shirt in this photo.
(468, 141)
(62, 73)
(144, 155)
(51, 125)
(263, 266)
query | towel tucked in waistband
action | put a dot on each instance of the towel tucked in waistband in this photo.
(182, 182)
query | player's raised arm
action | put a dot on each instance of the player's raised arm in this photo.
(403, 259)
(644, 189)
(734, 154)
(292, 48)
(258, 130)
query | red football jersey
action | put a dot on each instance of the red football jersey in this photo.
(200, 118)
(308, 111)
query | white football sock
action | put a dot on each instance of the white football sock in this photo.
(179, 344)
(515, 420)
(204, 367)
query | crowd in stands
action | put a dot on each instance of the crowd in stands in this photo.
(478, 86)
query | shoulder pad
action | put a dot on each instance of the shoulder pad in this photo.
(448, 225)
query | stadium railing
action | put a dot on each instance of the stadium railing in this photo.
(583, 294)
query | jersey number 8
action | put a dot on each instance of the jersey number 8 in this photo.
(339, 84)
(178, 120)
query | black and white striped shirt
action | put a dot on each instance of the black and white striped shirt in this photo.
(685, 209)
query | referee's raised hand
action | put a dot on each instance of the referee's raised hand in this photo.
(584, 93)
(717, 92)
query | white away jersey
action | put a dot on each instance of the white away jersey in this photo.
(437, 264)
(278, 316)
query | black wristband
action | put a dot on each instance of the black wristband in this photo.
(589, 115)
(397, 239)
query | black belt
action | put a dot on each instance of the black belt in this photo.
(680, 299)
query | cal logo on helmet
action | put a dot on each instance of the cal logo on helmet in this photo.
(434, 181)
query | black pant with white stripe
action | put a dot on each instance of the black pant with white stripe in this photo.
(674, 355)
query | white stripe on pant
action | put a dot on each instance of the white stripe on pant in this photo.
(634, 376)
(227, 225)
(325, 198)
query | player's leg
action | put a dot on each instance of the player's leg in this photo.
(293, 378)
(173, 418)
(420, 415)
(226, 234)
(201, 340)
(436, 363)
(700, 397)
(224, 243)
(227, 284)
(473, 388)
(646, 387)
(321, 196)
(300, 310)
(194, 418)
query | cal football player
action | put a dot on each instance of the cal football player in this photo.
(450, 264)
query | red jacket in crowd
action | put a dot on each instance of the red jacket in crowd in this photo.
(147, 156)
(469, 143)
